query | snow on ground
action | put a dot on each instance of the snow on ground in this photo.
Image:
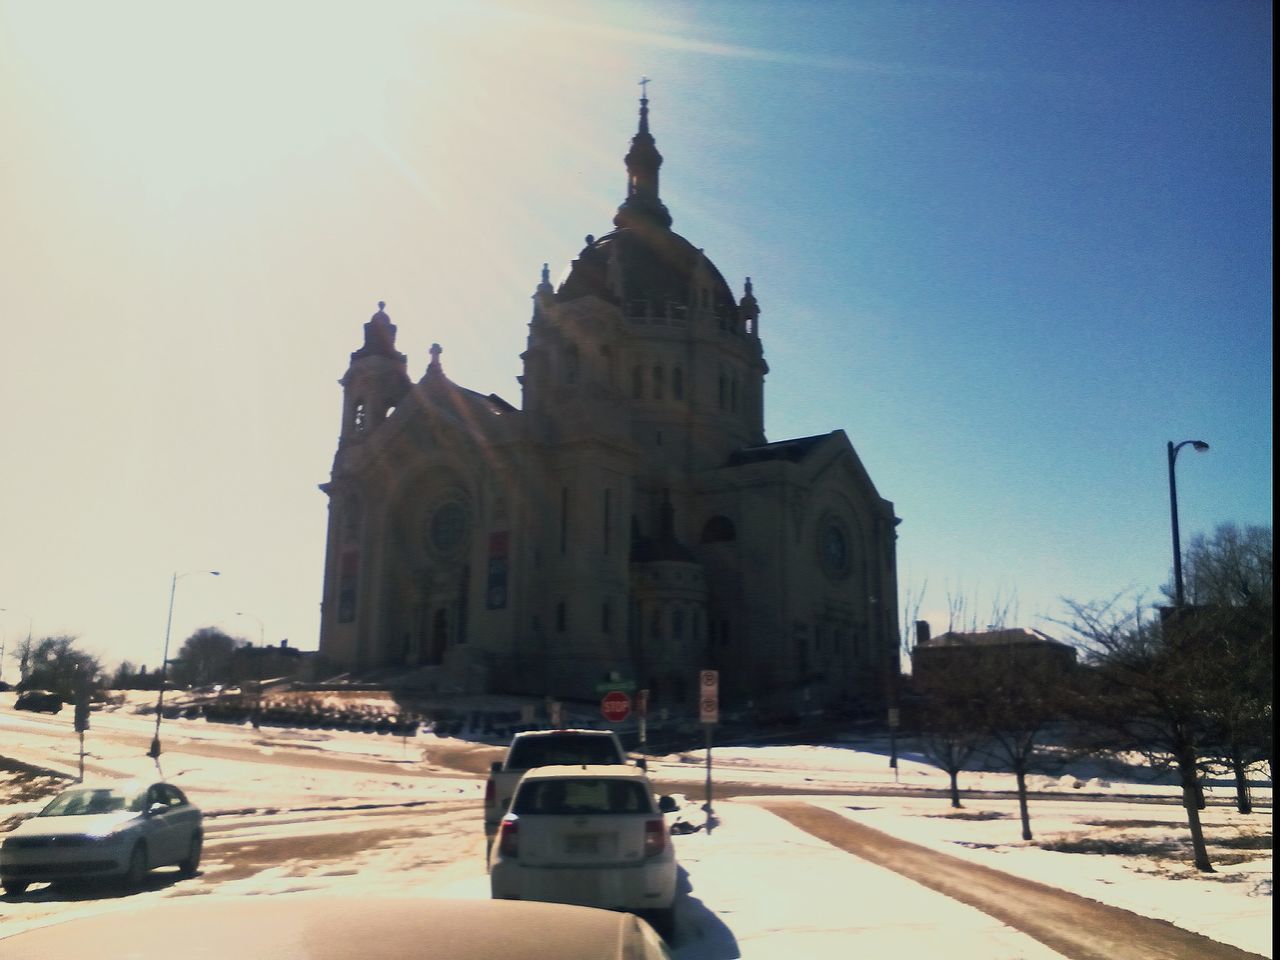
(761, 888)
(1149, 873)
(758, 886)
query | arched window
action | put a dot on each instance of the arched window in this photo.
(677, 383)
(359, 417)
(677, 624)
(658, 381)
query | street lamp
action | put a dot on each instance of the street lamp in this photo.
(1200, 447)
(154, 752)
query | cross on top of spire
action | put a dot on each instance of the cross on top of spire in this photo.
(643, 161)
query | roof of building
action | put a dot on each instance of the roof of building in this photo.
(1013, 636)
(791, 450)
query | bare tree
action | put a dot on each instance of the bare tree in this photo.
(1144, 694)
(911, 603)
(1023, 696)
(1233, 568)
(988, 692)
(1230, 583)
(962, 612)
(947, 725)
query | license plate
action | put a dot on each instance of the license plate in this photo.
(581, 843)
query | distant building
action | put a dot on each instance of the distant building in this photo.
(951, 654)
(628, 519)
(269, 662)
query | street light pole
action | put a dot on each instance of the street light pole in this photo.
(154, 752)
(1200, 447)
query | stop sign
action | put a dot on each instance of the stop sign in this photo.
(616, 706)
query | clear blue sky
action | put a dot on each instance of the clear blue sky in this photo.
(1012, 248)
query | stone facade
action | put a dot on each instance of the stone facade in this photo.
(628, 519)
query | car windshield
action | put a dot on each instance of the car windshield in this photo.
(88, 801)
(576, 797)
(570, 749)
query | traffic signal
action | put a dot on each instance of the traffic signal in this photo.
(82, 709)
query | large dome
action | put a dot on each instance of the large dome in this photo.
(642, 266)
(651, 265)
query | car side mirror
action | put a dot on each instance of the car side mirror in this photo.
(495, 767)
(642, 763)
(667, 804)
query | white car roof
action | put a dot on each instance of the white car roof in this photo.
(575, 731)
(591, 771)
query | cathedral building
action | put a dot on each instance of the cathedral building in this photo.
(628, 520)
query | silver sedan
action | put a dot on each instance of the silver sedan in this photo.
(116, 831)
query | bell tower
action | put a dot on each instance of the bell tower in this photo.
(375, 380)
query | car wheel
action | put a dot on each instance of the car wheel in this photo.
(138, 868)
(15, 887)
(191, 864)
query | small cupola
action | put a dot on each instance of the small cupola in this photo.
(643, 160)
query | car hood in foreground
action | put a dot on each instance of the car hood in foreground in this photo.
(303, 927)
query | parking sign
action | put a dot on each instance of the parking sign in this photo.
(709, 696)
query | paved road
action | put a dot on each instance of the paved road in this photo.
(1074, 926)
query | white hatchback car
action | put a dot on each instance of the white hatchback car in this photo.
(588, 835)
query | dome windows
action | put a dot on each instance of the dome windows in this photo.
(658, 382)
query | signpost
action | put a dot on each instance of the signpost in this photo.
(615, 706)
(642, 715)
(895, 719)
(709, 714)
(81, 721)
